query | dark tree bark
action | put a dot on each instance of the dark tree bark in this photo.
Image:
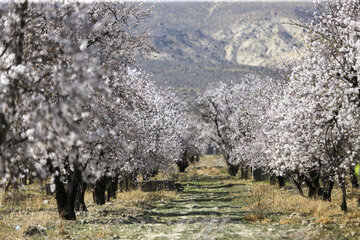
(194, 158)
(182, 165)
(281, 181)
(27, 179)
(133, 181)
(80, 195)
(243, 172)
(31, 179)
(65, 198)
(24, 179)
(149, 174)
(258, 174)
(343, 204)
(128, 182)
(298, 182)
(314, 188)
(112, 187)
(99, 190)
(155, 172)
(311, 188)
(272, 180)
(327, 188)
(246, 172)
(4, 128)
(313, 183)
(9, 185)
(233, 169)
(354, 180)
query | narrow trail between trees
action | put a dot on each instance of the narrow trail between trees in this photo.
(201, 201)
(210, 207)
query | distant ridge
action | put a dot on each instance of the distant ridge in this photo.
(194, 38)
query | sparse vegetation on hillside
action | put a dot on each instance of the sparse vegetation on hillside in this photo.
(206, 42)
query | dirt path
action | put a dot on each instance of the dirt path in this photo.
(211, 206)
(208, 208)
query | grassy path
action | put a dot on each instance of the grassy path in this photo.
(211, 206)
(208, 208)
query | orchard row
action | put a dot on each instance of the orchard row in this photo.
(305, 127)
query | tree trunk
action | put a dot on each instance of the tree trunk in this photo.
(31, 179)
(343, 204)
(314, 188)
(112, 187)
(128, 182)
(244, 172)
(99, 190)
(80, 195)
(194, 158)
(65, 199)
(71, 194)
(281, 181)
(354, 180)
(311, 193)
(313, 183)
(297, 184)
(182, 165)
(258, 174)
(133, 181)
(60, 196)
(24, 179)
(327, 189)
(233, 169)
(272, 179)
(247, 172)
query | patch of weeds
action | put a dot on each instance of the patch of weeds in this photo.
(26, 198)
(137, 198)
(260, 204)
(5, 228)
(251, 217)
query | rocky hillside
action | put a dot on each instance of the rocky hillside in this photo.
(201, 42)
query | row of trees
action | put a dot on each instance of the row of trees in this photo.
(313, 129)
(305, 128)
(73, 107)
(235, 113)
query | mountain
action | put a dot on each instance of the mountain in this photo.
(203, 42)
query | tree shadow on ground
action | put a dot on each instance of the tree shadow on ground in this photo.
(147, 219)
(195, 213)
(205, 200)
(141, 219)
(225, 186)
(199, 193)
(207, 220)
(203, 178)
(219, 207)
